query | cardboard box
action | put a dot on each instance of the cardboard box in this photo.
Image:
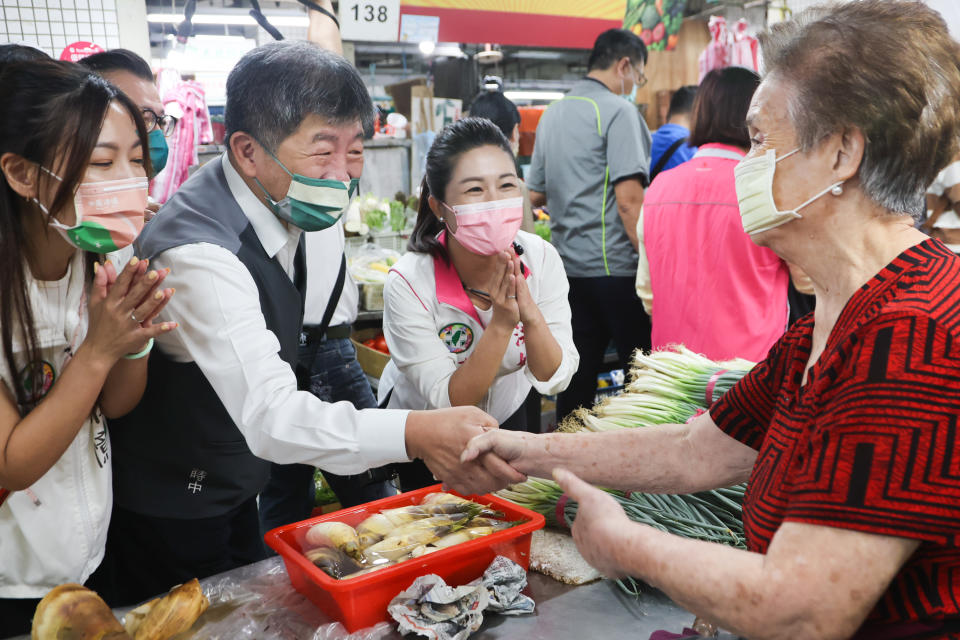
(371, 361)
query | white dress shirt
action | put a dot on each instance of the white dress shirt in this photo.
(222, 329)
(324, 251)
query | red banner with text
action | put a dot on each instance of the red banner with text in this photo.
(571, 24)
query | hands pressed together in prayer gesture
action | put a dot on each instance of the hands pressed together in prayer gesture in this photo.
(123, 307)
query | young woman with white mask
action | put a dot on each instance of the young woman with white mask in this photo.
(476, 313)
(74, 334)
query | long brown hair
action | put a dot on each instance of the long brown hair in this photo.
(48, 110)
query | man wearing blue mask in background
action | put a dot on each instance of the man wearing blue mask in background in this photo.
(131, 74)
(590, 165)
(222, 400)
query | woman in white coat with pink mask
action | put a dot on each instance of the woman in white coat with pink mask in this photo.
(476, 312)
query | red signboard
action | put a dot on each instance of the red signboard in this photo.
(79, 50)
(533, 23)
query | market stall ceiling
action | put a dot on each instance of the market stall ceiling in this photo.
(230, 18)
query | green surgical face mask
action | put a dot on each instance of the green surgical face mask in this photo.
(312, 204)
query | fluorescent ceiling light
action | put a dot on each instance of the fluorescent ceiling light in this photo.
(533, 95)
(449, 50)
(229, 19)
(538, 55)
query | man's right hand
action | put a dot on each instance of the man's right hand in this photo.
(439, 437)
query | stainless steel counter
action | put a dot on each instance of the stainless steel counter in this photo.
(260, 597)
(563, 612)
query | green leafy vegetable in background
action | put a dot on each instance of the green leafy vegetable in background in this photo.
(542, 229)
(375, 219)
(398, 218)
(322, 493)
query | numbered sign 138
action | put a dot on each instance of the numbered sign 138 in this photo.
(376, 20)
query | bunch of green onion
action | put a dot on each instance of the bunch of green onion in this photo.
(666, 387)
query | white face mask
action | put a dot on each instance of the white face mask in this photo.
(754, 183)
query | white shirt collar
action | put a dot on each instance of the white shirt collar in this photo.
(270, 230)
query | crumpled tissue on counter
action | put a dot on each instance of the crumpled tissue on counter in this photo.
(432, 608)
(504, 580)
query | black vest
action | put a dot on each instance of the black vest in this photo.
(179, 454)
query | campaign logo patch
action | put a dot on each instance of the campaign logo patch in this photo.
(457, 336)
(37, 378)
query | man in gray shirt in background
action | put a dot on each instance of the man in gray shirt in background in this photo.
(590, 165)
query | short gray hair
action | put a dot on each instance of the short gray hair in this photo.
(275, 86)
(886, 67)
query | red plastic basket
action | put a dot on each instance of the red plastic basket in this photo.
(362, 601)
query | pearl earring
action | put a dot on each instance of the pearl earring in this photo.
(837, 190)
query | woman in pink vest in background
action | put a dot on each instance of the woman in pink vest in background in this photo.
(703, 281)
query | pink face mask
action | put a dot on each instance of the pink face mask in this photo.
(487, 228)
(109, 214)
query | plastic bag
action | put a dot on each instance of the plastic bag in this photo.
(371, 263)
(257, 602)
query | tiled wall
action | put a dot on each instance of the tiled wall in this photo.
(50, 25)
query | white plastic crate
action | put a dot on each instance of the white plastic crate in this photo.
(391, 240)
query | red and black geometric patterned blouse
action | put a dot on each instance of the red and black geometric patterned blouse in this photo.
(871, 441)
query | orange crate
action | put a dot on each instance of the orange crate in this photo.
(362, 601)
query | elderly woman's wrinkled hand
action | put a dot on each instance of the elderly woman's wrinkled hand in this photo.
(506, 445)
(601, 526)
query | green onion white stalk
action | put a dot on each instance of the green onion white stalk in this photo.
(666, 387)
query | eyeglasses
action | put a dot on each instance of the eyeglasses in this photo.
(153, 121)
(641, 80)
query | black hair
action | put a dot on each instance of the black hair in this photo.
(614, 44)
(682, 100)
(720, 110)
(275, 86)
(10, 53)
(49, 110)
(455, 139)
(118, 60)
(497, 108)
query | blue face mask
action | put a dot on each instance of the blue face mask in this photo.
(632, 96)
(312, 204)
(158, 151)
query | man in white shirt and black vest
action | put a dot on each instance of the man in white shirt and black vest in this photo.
(222, 399)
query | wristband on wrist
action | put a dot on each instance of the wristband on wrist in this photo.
(141, 354)
(316, 7)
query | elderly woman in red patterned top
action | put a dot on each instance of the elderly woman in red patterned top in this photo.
(847, 431)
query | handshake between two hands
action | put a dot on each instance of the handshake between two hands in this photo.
(465, 449)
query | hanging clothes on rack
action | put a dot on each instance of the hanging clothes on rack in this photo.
(729, 47)
(187, 102)
(743, 51)
(717, 53)
(167, 80)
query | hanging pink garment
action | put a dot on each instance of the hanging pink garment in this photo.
(714, 290)
(743, 51)
(717, 53)
(187, 101)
